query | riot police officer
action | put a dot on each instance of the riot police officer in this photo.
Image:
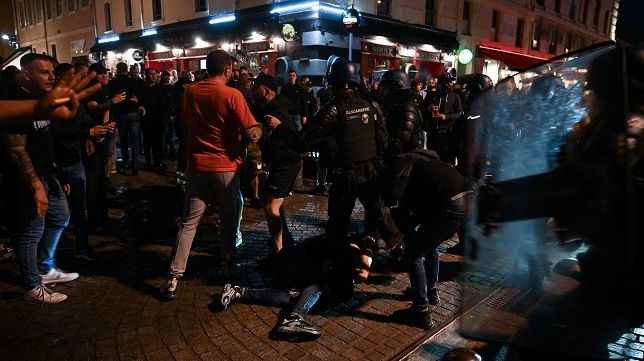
(360, 138)
(402, 116)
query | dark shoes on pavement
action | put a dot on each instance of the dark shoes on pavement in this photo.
(294, 328)
(168, 290)
(432, 294)
(413, 317)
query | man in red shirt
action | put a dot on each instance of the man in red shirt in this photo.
(216, 117)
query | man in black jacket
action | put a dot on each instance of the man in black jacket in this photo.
(430, 198)
(128, 113)
(296, 94)
(446, 111)
(72, 140)
(282, 150)
(312, 271)
(361, 139)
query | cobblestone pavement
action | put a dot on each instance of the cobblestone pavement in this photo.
(112, 312)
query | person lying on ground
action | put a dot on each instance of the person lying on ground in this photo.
(303, 276)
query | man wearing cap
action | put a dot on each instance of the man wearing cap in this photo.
(216, 117)
(282, 149)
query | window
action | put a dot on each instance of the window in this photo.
(518, 37)
(429, 12)
(558, 6)
(157, 10)
(201, 5)
(596, 16)
(496, 17)
(108, 17)
(59, 7)
(128, 12)
(384, 7)
(541, 3)
(49, 9)
(466, 18)
(536, 36)
(53, 51)
(552, 48)
(84, 2)
(572, 12)
(71, 5)
(585, 14)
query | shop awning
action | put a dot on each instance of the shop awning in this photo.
(514, 60)
(408, 33)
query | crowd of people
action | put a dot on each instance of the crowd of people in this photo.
(232, 132)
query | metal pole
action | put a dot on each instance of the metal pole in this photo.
(350, 47)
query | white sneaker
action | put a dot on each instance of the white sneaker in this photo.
(56, 275)
(42, 294)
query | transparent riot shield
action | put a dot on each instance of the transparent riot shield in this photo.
(556, 214)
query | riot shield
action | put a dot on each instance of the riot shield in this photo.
(555, 220)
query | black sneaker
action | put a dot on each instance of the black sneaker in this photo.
(294, 328)
(412, 317)
(230, 294)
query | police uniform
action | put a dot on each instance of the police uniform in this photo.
(360, 137)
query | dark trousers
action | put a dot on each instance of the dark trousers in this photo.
(302, 302)
(153, 139)
(97, 185)
(75, 175)
(129, 126)
(422, 249)
(342, 198)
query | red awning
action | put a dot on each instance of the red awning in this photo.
(514, 60)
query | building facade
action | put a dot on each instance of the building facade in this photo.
(270, 36)
(7, 29)
(508, 35)
(63, 29)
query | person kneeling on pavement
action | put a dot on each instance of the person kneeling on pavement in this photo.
(303, 275)
(430, 198)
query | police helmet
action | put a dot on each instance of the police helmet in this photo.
(339, 74)
(446, 78)
(394, 79)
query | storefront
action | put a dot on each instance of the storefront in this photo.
(183, 46)
(304, 35)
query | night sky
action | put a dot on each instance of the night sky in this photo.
(631, 17)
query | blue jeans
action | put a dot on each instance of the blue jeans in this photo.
(37, 237)
(423, 252)
(75, 175)
(302, 302)
(129, 126)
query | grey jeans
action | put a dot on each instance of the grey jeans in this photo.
(223, 188)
